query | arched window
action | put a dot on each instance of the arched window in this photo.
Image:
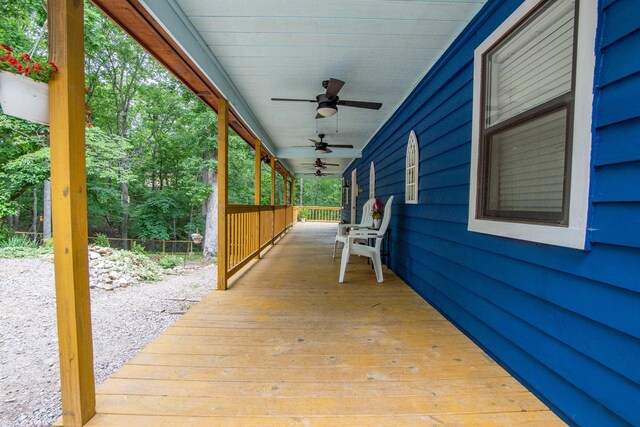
(372, 181)
(411, 176)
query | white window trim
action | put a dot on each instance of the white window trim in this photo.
(574, 234)
(372, 181)
(413, 142)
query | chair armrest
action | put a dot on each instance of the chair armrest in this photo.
(364, 233)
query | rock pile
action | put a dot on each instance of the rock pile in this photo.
(112, 268)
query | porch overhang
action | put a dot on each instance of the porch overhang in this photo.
(251, 52)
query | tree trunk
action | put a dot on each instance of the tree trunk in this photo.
(34, 223)
(210, 242)
(46, 211)
(124, 225)
(301, 198)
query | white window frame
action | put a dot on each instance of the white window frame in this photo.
(372, 181)
(412, 145)
(573, 235)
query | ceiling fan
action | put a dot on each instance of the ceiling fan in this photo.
(322, 147)
(328, 102)
(319, 164)
(320, 173)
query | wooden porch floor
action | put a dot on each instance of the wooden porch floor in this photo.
(287, 345)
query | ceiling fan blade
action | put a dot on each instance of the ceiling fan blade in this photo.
(339, 146)
(319, 116)
(314, 141)
(327, 151)
(360, 104)
(331, 164)
(303, 146)
(294, 100)
(334, 87)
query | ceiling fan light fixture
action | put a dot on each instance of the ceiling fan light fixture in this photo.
(326, 109)
(322, 150)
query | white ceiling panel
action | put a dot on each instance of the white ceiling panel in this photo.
(286, 48)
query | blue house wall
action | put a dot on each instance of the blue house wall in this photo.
(565, 322)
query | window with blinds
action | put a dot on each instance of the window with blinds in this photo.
(411, 176)
(372, 181)
(527, 116)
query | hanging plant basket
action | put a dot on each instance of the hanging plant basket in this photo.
(24, 98)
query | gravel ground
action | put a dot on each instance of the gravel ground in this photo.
(124, 321)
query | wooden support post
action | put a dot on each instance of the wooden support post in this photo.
(223, 194)
(273, 181)
(257, 186)
(273, 199)
(69, 218)
(284, 192)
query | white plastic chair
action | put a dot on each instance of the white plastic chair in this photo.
(373, 252)
(365, 222)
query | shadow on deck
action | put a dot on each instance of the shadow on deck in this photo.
(288, 345)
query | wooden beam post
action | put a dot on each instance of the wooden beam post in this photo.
(69, 217)
(257, 176)
(273, 199)
(273, 181)
(223, 193)
(285, 190)
(257, 186)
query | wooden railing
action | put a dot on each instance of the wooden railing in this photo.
(250, 229)
(319, 213)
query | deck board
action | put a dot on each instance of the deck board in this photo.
(288, 345)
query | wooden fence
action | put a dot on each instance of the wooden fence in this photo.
(153, 245)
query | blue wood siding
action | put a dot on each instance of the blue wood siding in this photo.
(565, 322)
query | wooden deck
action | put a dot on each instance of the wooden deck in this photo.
(288, 345)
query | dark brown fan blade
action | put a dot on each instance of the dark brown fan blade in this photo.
(339, 146)
(319, 116)
(294, 100)
(360, 104)
(314, 141)
(303, 146)
(334, 87)
(328, 151)
(331, 164)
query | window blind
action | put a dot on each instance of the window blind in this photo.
(533, 65)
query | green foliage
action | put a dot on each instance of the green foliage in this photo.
(137, 248)
(101, 240)
(303, 213)
(319, 192)
(170, 261)
(6, 233)
(21, 247)
(19, 241)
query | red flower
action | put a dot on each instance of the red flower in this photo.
(7, 48)
(26, 56)
(20, 68)
(13, 61)
(27, 70)
(54, 66)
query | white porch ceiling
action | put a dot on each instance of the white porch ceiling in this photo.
(256, 50)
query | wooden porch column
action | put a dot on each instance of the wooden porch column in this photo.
(273, 181)
(223, 193)
(69, 218)
(257, 186)
(284, 193)
(257, 176)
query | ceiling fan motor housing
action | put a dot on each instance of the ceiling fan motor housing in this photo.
(326, 105)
